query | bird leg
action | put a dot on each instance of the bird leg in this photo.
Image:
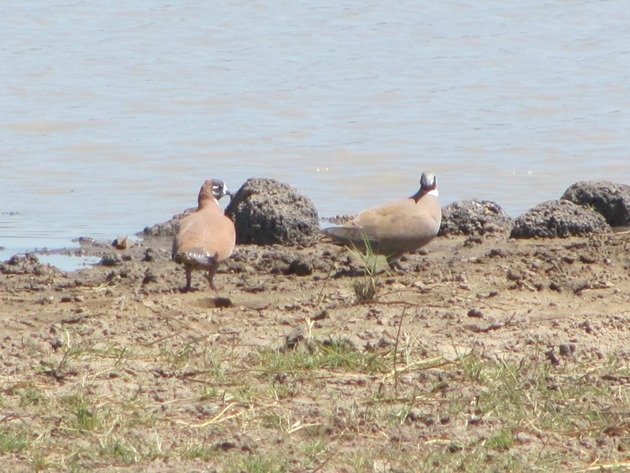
(210, 276)
(188, 278)
(396, 266)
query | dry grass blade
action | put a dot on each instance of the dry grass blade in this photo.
(419, 365)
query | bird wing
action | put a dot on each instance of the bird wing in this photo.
(208, 233)
(399, 226)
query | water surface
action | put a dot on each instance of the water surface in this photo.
(115, 113)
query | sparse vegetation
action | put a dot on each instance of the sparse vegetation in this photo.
(296, 376)
(366, 287)
(200, 451)
(514, 401)
(329, 354)
(13, 441)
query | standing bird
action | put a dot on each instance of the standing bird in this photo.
(206, 237)
(395, 228)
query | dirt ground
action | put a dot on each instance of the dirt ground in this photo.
(486, 354)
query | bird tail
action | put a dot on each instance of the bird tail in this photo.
(195, 258)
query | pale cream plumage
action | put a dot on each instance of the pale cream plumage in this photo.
(395, 228)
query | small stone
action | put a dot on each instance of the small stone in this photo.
(223, 302)
(149, 255)
(121, 243)
(454, 448)
(586, 326)
(475, 313)
(514, 275)
(56, 343)
(321, 315)
(299, 267)
(552, 357)
(110, 260)
(472, 241)
(293, 338)
(475, 420)
(498, 252)
(149, 277)
(586, 259)
(566, 349)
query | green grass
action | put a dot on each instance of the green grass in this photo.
(257, 464)
(318, 402)
(178, 359)
(200, 452)
(118, 450)
(330, 354)
(570, 402)
(86, 418)
(502, 440)
(208, 393)
(80, 415)
(13, 440)
(366, 288)
(314, 449)
(31, 396)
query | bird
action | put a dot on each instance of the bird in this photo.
(206, 237)
(394, 228)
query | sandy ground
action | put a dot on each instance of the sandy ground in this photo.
(485, 354)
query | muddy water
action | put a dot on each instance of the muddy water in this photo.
(112, 115)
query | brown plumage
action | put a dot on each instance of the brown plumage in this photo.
(206, 237)
(395, 228)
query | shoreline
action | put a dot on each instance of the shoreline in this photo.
(114, 367)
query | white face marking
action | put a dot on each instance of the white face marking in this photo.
(434, 192)
(218, 191)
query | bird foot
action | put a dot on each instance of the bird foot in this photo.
(397, 267)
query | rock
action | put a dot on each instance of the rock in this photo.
(149, 277)
(498, 252)
(266, 211)
(552, 357)
(293, 338)
(471, 217)
(56, 343)
(149, 255)
(558, 218)
(567, 349)
(222, 302)
(166, 229)
(299, 267)
(121, 243)
(475, 313)
(110, 260)
(26, 264)
(609, 199)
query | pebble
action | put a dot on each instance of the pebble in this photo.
(566, 349)
(110, 260)
(552, 357)
(476, 313)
